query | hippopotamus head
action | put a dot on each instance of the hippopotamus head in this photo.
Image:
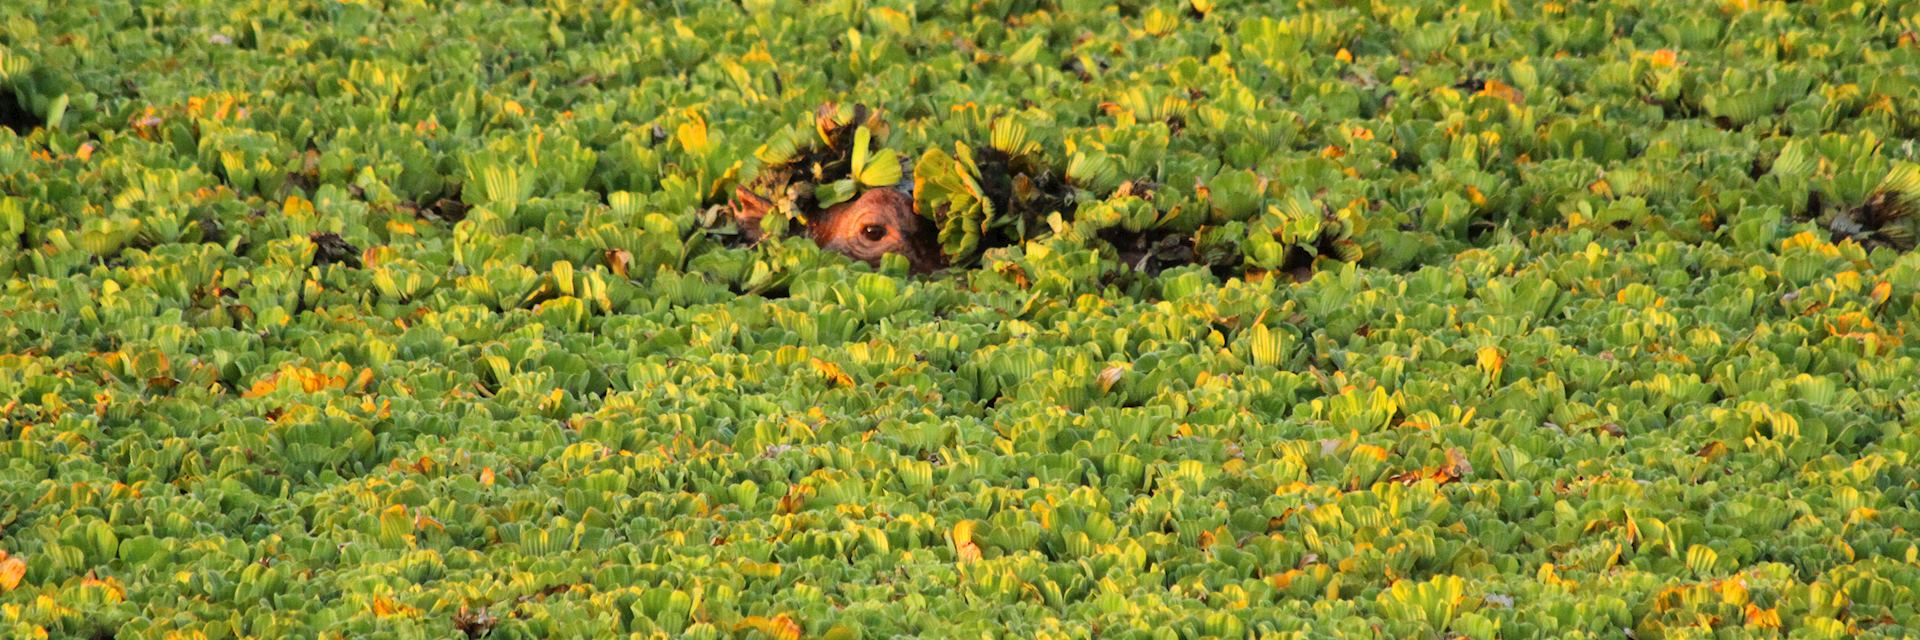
(878, 222)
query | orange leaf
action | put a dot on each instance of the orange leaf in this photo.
(1409, 477)
(1476, 197)
(12, 569)
(1457, 464)
(361, 381)
(833, 372)
(1711, 450)
(618, 259)
(384, 607)
(1762, 618)
(795, 499)
(261, 388)
(1503, 91)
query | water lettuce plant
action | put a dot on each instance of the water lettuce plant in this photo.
(1480, 319)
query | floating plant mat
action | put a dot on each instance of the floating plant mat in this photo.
(1317, 319)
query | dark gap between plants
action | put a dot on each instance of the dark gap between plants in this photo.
(15, 116)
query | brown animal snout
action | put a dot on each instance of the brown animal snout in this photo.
(879, 222)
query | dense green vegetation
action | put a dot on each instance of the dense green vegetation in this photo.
(1324, 318)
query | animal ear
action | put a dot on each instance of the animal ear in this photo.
(748, 209)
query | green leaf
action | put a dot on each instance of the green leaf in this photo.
(883, 170)
(862, 140)
(835, 192)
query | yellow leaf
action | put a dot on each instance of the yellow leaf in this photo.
(780, 626)
(110, 587)
(693, 136)
(1732, 591)
(1371, 451)
(297, 207)
(963, 531)
(1549, 575)
(1806, 239)
(963, 544)
(760, 569)
(1491, 361)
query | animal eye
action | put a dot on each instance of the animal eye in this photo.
(873, 232)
